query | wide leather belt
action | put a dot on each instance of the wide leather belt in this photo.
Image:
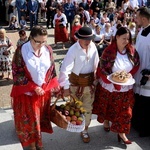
(81, 79)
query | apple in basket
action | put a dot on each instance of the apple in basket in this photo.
(71, 112)
(77, 113)
(80, 118)
(78, 122)
(74, 118)
(73, 122)
(68, 118)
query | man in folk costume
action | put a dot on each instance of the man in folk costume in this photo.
(141, 109)
(77, 73)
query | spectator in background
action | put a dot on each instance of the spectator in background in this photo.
(84, 16)
(105, 17)
(92, 25)
(96, 6)
(118, 3)
(102, 23)
(98, 40)
(125, 5)
(11, 9)
(75, 27)
(132, 28)
(111, 13)
(124, 23)
(51, 6)
(22, 38)
(60, 23)
(96, 19)
(21, 6)
(142, 3)
(84, 5)
(23, 23)
(43, 9)
(7, 3)
(6, 49)
(13, 23)
(110, 4)
(69, 11)
(134, 4)
(107, 34)
(116, 27)
(104, 4)
(33, 10)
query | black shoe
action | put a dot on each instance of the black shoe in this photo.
(48, 28)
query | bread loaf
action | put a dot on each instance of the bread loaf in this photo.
(121, 76)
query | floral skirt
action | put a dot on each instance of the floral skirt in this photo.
(5, 66)
(115, 107)
(32, 116)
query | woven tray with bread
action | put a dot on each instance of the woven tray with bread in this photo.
(121, 76)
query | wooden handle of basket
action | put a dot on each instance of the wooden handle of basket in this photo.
(53, 106)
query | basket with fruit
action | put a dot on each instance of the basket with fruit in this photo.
(69, 116)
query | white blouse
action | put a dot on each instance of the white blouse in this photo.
(37, 66)
(108, 35)
(98, 37)
(121, 63)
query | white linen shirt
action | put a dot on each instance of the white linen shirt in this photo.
(78, 62)
(37, 66)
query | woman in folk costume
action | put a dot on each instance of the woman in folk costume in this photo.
(114, 102)
(75, 27)
(60, 23)
(34, 80)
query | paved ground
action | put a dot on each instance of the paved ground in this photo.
(60, 139)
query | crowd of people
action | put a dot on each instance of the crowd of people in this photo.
(106, 36)
(102, 13)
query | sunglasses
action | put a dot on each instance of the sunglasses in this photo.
(39, 42)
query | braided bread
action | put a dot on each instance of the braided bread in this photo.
(121, 76)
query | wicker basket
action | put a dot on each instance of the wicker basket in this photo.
(60, 120)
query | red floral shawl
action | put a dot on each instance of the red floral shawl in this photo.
(108, 58)
(22, 79)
